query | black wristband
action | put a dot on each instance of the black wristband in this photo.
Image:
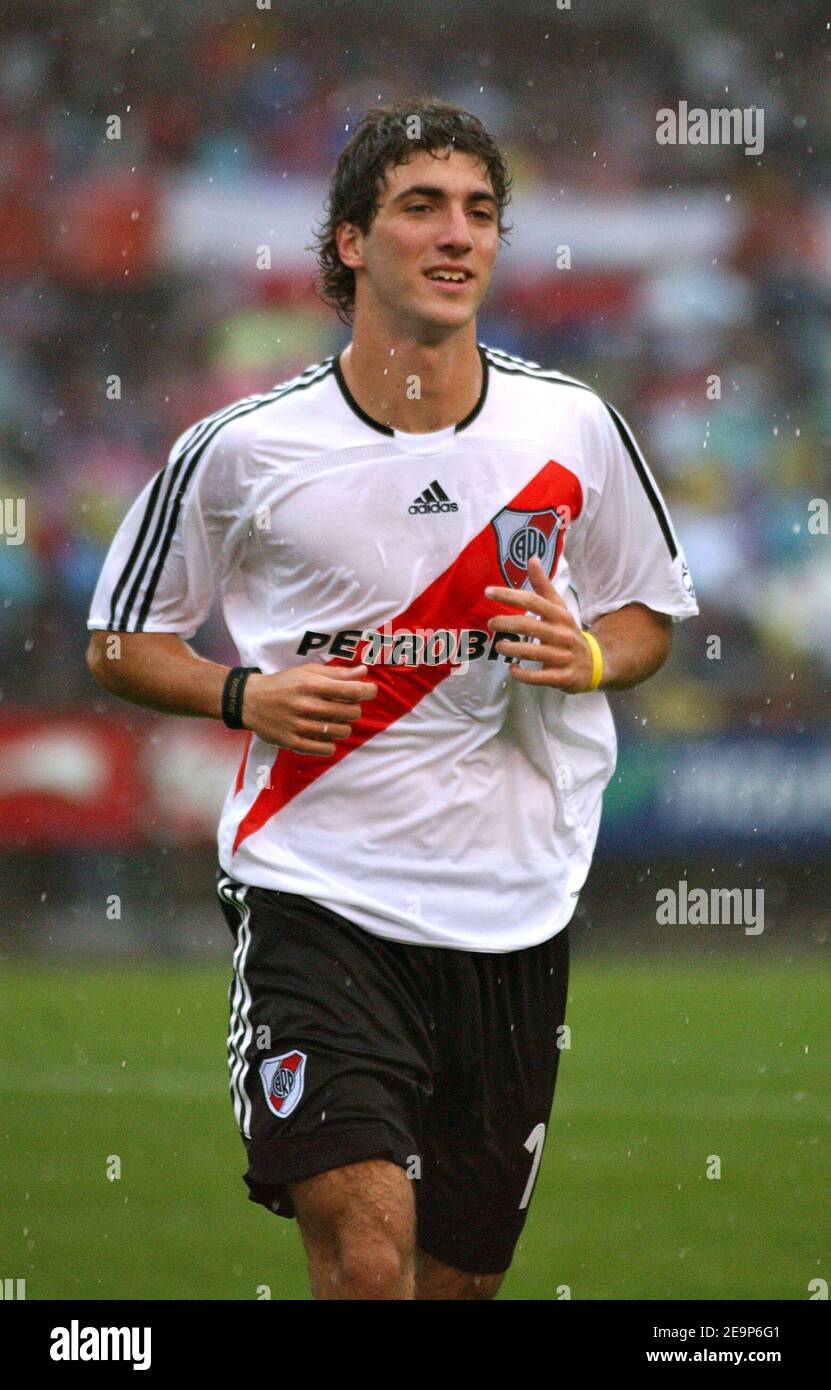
(232, 693)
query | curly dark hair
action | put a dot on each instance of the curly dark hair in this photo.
(382, 138)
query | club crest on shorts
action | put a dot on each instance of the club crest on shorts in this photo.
(520, 535)
(283, 1081)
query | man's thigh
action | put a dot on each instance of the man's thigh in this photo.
(486, 1126)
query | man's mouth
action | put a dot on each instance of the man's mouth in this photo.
(449, 277)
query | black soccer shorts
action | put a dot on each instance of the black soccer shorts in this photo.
(345, 1046)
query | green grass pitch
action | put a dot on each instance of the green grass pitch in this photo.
(670, 1063)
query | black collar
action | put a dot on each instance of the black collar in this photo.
(385, 429)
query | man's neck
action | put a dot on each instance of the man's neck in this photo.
(414, 387)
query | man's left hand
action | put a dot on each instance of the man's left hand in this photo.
(553, 637)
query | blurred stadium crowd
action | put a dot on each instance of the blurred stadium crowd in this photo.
(217, 91)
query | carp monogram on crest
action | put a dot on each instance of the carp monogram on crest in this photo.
(521, 534)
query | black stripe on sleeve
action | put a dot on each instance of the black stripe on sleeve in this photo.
(137, 544)
(646, 482)
(200, 438)
(169, 472)
(169, 533)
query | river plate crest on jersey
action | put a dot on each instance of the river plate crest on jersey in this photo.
(283, 1081)
(521, 534)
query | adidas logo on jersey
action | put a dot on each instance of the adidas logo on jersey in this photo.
(433, 499)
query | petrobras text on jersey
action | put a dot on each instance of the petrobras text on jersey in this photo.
(389, 646)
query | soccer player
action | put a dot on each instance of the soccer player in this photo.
(433, 558)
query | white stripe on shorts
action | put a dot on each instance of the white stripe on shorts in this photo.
(239, 997)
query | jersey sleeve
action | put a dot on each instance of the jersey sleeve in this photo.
(623, 548)
(169, 553)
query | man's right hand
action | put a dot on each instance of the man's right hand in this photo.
(306, 708)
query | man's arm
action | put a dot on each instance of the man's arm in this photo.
(158, 670)
(303, 708)
(634, 642)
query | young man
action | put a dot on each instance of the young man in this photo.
(415, 812)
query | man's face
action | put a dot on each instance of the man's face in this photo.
(437, 217)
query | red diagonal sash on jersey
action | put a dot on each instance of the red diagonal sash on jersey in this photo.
(454, 600)
(243, 761)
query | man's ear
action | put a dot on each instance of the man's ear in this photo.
(349, 242)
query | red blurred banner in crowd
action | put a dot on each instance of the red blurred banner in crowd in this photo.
(86, 781)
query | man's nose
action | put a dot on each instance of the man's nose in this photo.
(454, 230)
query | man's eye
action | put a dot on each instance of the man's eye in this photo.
(415, 206)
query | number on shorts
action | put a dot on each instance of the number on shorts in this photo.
(533, 1144)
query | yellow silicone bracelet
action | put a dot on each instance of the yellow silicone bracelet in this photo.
(597, 661)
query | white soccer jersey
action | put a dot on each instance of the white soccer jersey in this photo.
(463, 810)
